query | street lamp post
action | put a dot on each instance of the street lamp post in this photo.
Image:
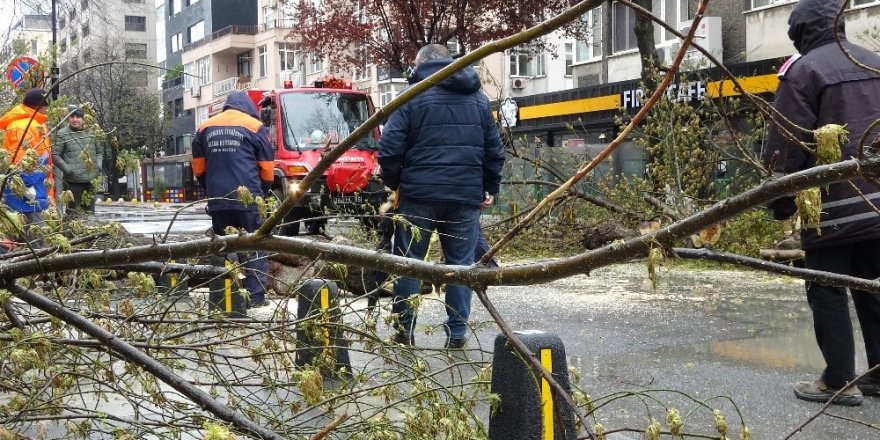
(53, 69)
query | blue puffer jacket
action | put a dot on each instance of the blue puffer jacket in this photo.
(35, 180)
(443, 145)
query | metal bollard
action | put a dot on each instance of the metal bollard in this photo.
(318, 299)
(530, 409)
(224, 292)
(172, 283)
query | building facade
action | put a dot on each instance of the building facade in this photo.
(92, 31)
(31, 35)
(190, 26)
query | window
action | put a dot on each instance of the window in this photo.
(176, 42)
(864, 2)
(72, 15)
(191, 2)
(63, 46)
(85, 4)
(590, 46)
(196, 32)
(135, 23)
(244, 64)
(173, 7)
(262, 58)
(177, 108)
(203, 70)
(316, 64)
(762, 3)
(526, 61)
(286, 57)
(685, 10)
(623, 23)
(87, 55)
(62, 23)
(136, 50)
(389, 91)
(188, 79)
(74, 39)
(569, 58)
(85, 30)
(268, 17)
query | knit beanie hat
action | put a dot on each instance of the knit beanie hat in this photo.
(34, 98)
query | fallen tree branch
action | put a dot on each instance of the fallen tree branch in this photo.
(818, 276)
(138, 357)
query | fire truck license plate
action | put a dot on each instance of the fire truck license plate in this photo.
(347, 199)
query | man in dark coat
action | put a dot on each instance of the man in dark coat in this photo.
(442, 153)
(232, 149)
(822, 86)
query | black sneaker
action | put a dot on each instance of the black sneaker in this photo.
(402, 338)
(869, 385)
(455, 343)
(258, 304)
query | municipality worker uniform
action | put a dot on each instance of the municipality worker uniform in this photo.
(818, 88)
(24, 129)
(232, 149)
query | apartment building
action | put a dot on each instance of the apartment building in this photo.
(31, 35)
(91, 31)
(189, 33)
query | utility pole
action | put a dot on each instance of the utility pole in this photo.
(53, 69)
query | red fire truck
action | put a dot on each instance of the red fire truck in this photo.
(306, 122)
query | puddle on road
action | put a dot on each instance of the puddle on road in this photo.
(794, 350)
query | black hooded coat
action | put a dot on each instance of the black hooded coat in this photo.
(824, 87)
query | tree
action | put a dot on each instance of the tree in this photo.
(180, 369)
(125, 106)
(351, 33)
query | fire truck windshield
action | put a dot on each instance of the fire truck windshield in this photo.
(312, 119)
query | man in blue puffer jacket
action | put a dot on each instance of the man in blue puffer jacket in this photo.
(442, 153)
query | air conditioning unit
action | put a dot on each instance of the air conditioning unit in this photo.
(196, 91)
(708, 36)
(518, 83)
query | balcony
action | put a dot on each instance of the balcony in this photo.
(226, 38)
(279, 23)
(224, 87)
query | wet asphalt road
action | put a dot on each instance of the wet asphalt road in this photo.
(716, 336)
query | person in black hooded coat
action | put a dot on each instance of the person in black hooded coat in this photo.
(821, 86)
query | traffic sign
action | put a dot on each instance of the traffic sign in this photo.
(19, 70)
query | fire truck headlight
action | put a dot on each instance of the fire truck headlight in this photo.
(293, 187)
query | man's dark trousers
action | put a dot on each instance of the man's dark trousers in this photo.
(830, 305)
(78, 190)
(456, 225)
(256, 264)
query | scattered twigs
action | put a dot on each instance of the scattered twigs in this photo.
(329, 428)
(818, 276)
(141, 359)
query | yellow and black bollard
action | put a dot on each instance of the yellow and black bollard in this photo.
(319, 334)
(172, 282)
(527, 411)
(224, 295)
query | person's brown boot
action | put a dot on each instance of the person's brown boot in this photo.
(817, 391)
